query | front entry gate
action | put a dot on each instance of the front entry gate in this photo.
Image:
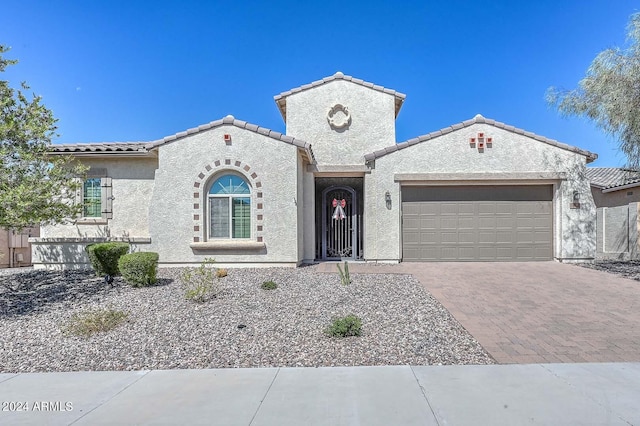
(340, 223)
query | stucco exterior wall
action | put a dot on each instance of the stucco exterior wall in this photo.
(132, 185)
(509, 153)
(372, 121)
(615, 198)
(132, 180)
(186, 169)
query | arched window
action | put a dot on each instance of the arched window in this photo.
(229, 208)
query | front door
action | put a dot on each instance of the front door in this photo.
(339, 223)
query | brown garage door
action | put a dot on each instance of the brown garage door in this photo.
(477, 223)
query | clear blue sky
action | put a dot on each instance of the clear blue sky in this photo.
(140, 70)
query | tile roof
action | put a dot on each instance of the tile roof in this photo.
(281, 99)
(145, 147)
(477, 119)
(612, 177)
(112, 147)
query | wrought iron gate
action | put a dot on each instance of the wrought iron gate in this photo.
(340, 221)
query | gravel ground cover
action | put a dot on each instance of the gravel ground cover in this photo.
(245, 326)
(627, 269)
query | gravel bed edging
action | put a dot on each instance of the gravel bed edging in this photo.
(402, 323)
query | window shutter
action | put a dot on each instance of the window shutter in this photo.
(107, 199)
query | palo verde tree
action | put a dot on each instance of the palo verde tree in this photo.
(35, 187)
(609, 94)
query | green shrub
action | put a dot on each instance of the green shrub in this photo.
(269, 285)
(350, 325)
(139, 269)
(104, 257)
(96, 321)
(200, 283)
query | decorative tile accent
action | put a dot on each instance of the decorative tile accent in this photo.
(253, 175)
(259, 194)
(259, 206)
(216, 163)
(201, 175)
(196, 239)
(259, 228)
(196, 195)
(246, 168)
(259, 239)
(238, 163)
(196, 206)
(196, 184)
(208, 167)
(259, 217)
(227, 162)
(258, 185)
(196, 217)
(196, 228)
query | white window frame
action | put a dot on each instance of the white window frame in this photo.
(230, 197)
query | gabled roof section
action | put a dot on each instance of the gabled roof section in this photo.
(281, 99)
(146, 147)
(476, 120)
(612, 177)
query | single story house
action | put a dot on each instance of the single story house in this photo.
(616, 193)
(614, 186)
(336, 186)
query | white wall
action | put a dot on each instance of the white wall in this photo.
(274, 163)
(509, 153)
(372, 121)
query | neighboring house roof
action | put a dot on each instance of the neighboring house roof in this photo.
(145, 147)
(477, 119)
(612, 178)
(281, 99)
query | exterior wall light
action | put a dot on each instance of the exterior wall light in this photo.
(387, 199)
(575, 203)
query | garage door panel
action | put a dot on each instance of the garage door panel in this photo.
(507, 224)
(466, 223)
(449, 222)
(504, 237)
(429, 237)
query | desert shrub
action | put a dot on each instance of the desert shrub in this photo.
(97, 321)
(104, 257)
(345, 277)
(269, 285)
(139, 269)
(350, 325)
(221, 273)
(200, 283)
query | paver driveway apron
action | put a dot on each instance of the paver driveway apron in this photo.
(538, 312)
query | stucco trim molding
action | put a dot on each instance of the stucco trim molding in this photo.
(479, 178)
(228, 245)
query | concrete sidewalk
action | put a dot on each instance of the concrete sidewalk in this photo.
(554, 394)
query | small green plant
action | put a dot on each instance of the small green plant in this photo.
(347, 326)
(139, 269)
(199, 282)
(221, 273)
(97, 321)
(269, 285)
(345, 278)
(104, 257)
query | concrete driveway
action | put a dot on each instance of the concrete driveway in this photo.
(534, 312)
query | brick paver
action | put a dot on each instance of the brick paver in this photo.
(535, 312)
